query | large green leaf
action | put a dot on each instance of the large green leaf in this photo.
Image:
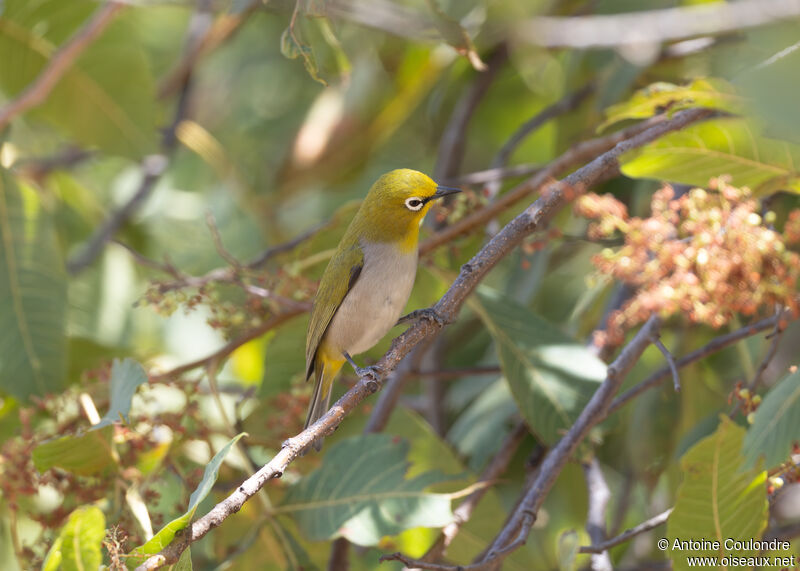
(726, 146)
(167, 533)
(33, 296)
(106, 99)
(88, 454)
(126, 376)
(717, 500)
(551, 376)
(655, 98)
(777, 424)
(360, 492)
(77, 547)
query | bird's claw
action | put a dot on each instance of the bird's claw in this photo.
(371, 374)
(427, 313)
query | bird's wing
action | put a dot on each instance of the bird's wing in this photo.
(331, 292)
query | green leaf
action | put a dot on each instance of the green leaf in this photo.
(292, 47)
(717, 500)
(167, 533)
(551, 376)
(360, 492)
(77, 547)
(86, 455)
(33, 297)
(106, 98)
(728, 146)
(776, 426)
(655, 98)
(126, 375)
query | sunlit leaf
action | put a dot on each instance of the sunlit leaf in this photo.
(661, 96)
(126, 376)
(361, 493)
(717, 499)
(77, 547)
(87, 454)
(167, 533)
(33, 295)
(551, 376)
(728, 146)
(106, 98)
(776, 426)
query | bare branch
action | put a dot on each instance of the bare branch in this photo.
(231, 346)
(60, 63)
(447, 308)
(776, 335)
(713, 346)
(599, 494)
(628, 534)
(515, 532)
(676, 378)
(656, 26)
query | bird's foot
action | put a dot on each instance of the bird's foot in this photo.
(428, 313)
(371, 374)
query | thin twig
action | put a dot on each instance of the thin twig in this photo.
(36, 93)
(489, 175)
(449, 374)
(231, 346)
(628, 534)
(676, 378)
(534, 218)
(712, 346)
(776, 335)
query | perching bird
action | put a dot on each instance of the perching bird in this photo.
(368, 280)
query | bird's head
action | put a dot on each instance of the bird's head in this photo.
(397, 203)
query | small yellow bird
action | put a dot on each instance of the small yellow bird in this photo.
(368, 280)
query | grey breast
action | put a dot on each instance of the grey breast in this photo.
(376, 300)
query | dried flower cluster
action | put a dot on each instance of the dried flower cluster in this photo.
(708, 255)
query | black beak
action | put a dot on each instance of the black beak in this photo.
(442, 191)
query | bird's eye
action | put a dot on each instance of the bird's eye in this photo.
(414, 203)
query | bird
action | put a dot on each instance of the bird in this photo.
(368, 280)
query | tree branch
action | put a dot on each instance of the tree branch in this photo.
(656, 26)
(713, 346)
(626, 535)
(515, 532)
(447, 308)
(599, 494)
(60, 63)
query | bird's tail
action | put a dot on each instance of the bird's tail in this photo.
(325, 371)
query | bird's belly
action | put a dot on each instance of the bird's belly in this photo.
(371, 308)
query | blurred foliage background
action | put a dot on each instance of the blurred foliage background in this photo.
(177, 194)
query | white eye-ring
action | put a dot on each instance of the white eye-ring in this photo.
(414, 203)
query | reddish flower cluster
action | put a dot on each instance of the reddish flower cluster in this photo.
(708, 255)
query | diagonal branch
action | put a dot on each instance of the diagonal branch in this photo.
(626, 535)
(60, 63)
(534, 218)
